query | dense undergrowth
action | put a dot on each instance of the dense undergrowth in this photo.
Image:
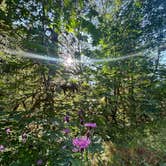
(82, 83)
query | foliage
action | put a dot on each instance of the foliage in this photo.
(106, 68)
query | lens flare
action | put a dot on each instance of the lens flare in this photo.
(69, 61)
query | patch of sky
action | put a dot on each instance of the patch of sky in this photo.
(163, 58)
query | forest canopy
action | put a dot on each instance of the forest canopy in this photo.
(82, 82)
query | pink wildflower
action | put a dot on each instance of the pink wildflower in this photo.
(2, 148)
(8, 131)
(81, 143)
(66, 118)
(66, 131)
(90, 125)
(24, 137)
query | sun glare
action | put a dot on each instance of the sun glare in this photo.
(69, 62)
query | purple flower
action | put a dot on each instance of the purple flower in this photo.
(2, 148)
(90, 125)
(40, 162)
(66, 131)
(66, 118)
(24, 137)
(8, 131)
(81, 143)
(75, 150)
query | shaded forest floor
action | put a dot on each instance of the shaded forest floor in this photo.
(142, 150)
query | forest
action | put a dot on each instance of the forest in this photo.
(82, 83)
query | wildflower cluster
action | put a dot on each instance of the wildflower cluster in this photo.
(83, 142)
(80, 143)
